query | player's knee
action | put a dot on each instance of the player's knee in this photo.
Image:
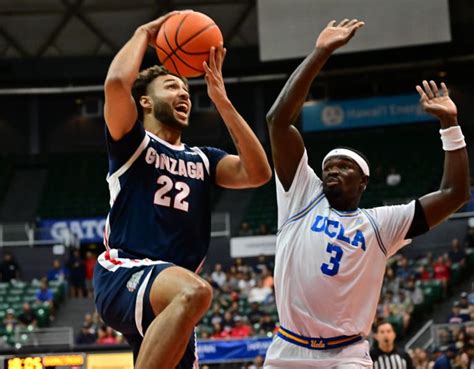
(197, 298)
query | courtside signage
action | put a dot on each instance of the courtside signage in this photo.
(327, 115)
(61, 230)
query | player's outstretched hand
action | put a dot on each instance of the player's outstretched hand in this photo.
(154, 26)
(437, 102)
(336, 35)
(213, 73)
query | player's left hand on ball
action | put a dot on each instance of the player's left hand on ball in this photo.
(213, 73)
(436, 101)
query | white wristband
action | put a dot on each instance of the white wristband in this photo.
(452, 138)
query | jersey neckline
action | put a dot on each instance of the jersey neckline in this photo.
(179, 147)
(349, 213)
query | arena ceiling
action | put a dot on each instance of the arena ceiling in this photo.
(91, 28)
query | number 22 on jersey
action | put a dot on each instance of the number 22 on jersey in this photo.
(163, 198)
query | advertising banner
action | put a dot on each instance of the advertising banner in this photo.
(232, 350)
(378, 111)
(84, 229)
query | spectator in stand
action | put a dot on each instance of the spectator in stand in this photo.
(228, 321)
(424, 274)
(391, 281)
(218, 276)
(86, 336)
(263, 229)
(57, 272)
(241, 266)
(470, 296)
(469, 242)
(89, 265)
(267, 324)
(457, 254)
(420, 359)
(27, 318)
(255, 314)
(257, 363)
(464, 306)
(241, 328)
(9, 268)
(259, 293)
(77, 274)
(414, 291)
(405, 308)
(44, 295)
(263, 264)
(245, 230)
(393, 178)
(403, 269)
(442, 272)
(387, 355)
(455, 316)
(443, 358)
(10, 321)
(267, 278)
(246, 283)
(106, 336)
(218, 333)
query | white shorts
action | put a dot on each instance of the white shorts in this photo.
(282, 355)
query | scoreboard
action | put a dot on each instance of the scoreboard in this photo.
(44, 361)
(115, 360)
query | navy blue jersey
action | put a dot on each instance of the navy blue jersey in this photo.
(160, 198)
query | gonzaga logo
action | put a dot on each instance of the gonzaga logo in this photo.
(133, 281)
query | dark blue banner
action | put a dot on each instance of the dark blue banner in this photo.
(211, 351)
(84, 229)
(370, 112)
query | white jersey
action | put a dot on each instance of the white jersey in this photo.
(329, 264)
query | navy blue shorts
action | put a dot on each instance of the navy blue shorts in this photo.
(122, 297)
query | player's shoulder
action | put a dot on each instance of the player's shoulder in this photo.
(387, 210)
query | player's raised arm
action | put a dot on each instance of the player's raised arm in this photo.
(250, 168)
(287, 143)
(120, 110)
(454, 189)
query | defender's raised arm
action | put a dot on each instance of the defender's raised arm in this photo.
(287, 143)
(454, 189)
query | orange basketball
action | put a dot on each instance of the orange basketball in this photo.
(184, 40)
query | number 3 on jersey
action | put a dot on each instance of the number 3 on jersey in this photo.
(333, 267)
(162, 199)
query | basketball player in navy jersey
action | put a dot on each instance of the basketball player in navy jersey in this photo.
(331, 255)
(158, 229)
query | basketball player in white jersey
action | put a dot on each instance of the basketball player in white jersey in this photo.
(331, 255)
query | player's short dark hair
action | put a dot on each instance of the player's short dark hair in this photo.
(145, 77)
(383, 322)
(357, 152)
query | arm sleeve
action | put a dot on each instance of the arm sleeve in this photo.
(120, 151)
(305, 187)
(214, 155)
(418, 225)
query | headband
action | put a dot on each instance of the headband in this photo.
(349, 154)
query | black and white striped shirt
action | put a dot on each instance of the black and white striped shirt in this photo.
(396, 359)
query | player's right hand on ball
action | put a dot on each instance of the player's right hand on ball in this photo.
(336, 35)
(154, 26)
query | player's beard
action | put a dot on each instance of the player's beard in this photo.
(164, 113)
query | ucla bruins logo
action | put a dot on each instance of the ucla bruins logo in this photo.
(133, 281)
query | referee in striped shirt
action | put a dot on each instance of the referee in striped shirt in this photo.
(386, 355)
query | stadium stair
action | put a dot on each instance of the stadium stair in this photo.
(72, 313)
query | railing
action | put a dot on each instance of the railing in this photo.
(436, 335)
(423, 338)
(27, 234)
(63, 336)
